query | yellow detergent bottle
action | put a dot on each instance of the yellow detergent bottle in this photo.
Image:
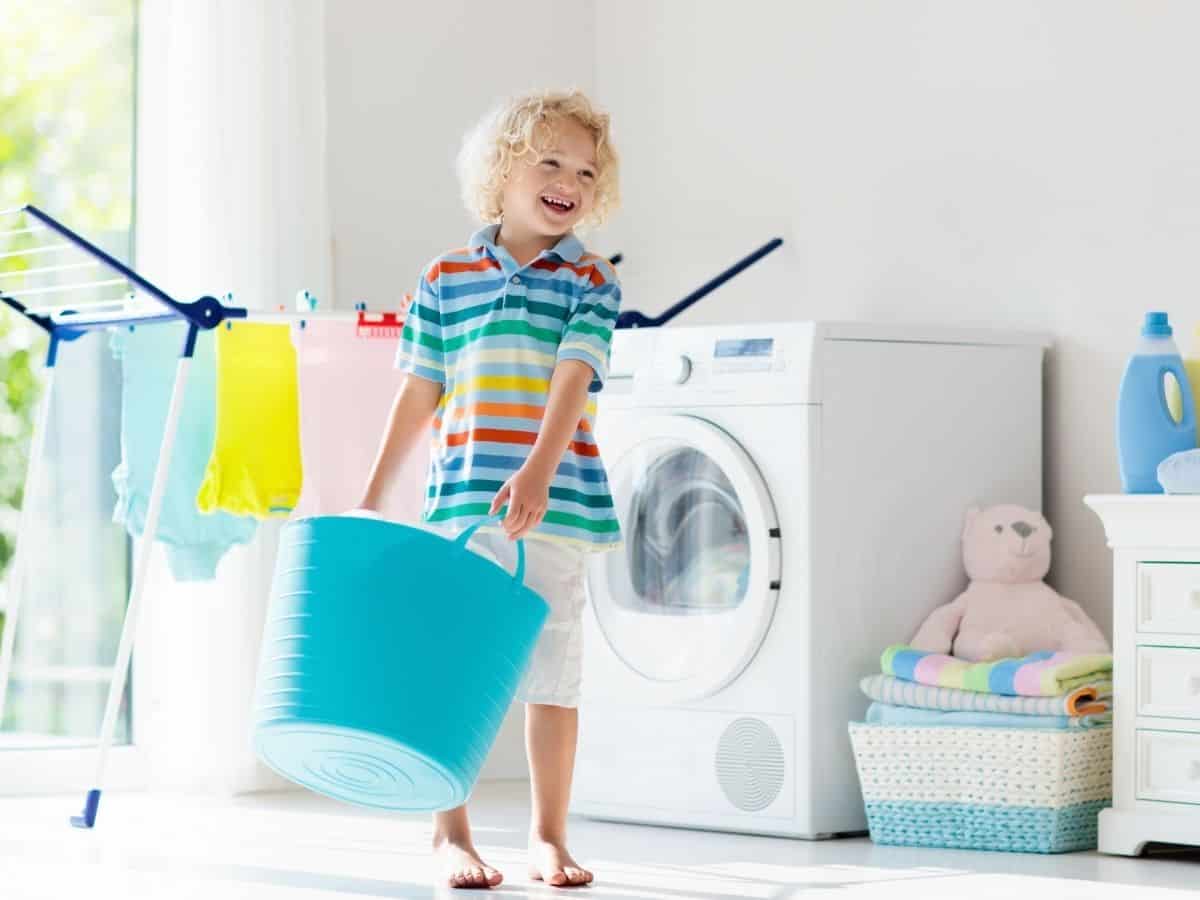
(1191, 364)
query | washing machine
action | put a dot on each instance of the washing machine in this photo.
(791, 497)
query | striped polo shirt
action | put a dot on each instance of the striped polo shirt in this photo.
(491, 332)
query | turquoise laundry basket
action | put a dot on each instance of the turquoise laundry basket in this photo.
(389, 659)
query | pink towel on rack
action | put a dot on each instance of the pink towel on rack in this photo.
(347, 384)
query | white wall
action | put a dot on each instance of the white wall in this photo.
(1012, 163)
(404, 82)
(1017, 164)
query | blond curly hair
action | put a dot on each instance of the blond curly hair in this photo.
(519, 126)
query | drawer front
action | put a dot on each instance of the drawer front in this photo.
(1168, 598)
(1168, 682)
(1168, 766)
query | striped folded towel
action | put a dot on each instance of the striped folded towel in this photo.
(1089, 700)
(1037, 675)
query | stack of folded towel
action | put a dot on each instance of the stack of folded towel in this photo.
(1042, 690)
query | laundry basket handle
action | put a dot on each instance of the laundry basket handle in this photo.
(468, 533)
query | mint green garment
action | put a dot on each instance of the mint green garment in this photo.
(149, 354)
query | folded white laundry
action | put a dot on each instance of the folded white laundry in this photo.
(1179, 473)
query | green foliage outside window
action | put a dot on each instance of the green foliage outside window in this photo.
(66, 88)
(66, 145)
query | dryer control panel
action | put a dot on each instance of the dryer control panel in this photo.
(742, 364)
(743, 354)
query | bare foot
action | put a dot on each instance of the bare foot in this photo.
(461, 866)
(550, 862)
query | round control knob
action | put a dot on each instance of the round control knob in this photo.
(681, 371)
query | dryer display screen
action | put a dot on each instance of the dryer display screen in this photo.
(742, 348)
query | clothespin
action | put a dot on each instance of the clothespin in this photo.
(305, 302)
(379, 325)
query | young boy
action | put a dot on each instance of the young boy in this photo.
(504, 344)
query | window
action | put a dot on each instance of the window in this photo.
(67, 106)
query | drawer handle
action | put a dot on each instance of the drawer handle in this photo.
(1194, 772)
(1195, 595)
(1194, 684)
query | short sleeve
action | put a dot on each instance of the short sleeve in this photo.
(420, 351)
(587, 335)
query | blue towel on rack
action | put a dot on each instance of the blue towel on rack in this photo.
(149, 354)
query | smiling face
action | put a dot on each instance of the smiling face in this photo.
(552, 189)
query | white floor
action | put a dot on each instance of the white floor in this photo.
(300, 847)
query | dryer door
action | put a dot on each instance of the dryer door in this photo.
(686, 603)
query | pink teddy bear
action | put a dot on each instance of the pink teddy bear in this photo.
(1007, 611)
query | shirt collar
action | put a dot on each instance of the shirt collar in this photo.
(569, 248)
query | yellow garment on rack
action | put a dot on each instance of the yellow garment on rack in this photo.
(254, 469)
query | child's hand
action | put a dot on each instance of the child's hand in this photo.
(527, 494)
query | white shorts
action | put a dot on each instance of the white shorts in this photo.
(555, 573)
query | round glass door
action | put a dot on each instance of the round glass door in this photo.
(686, 602)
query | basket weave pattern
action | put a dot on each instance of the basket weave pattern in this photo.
(984, 788)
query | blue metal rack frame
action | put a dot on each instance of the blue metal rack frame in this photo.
(633, 319)
(66, 323)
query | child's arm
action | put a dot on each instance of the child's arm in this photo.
(419, 355)
(528, 491)
(416, 402)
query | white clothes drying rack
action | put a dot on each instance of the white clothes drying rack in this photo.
(133, 300)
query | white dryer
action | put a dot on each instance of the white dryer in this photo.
(791, 497)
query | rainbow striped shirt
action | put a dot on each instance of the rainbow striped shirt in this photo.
(491, 332)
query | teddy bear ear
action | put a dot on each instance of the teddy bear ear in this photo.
(969, 520)
(1046, 525)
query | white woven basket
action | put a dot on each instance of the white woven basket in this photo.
(988, 788)
(992, 766)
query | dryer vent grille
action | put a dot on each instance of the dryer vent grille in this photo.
(750, 764)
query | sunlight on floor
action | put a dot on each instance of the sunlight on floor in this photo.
(991, 887)
(834, 874)
(26, 880)
(303, 848)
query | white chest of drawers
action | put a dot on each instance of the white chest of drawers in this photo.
(1155, 541)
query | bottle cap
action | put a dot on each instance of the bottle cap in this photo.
(1156, 325)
